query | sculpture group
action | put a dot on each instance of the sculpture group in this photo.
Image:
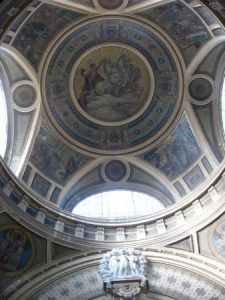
(123, 264)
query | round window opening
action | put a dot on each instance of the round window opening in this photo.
(117, 205)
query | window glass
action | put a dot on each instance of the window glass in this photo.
(223, 104)
(117, 204)
(3, 121)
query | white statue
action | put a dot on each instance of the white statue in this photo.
(133, 262)
(119, 264)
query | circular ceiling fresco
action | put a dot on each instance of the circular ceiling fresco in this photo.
(112, 85)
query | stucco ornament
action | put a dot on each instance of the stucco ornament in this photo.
(124, 272)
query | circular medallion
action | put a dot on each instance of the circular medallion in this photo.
(115, 170)
(112, 84)
(217, 239)
(24, 95)
(200, 89)
(16, 250)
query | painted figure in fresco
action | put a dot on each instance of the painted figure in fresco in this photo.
(90, 81)
(219, 239)
(178, 153)
(11, 251)
(6, 242)
(182, 24)
(54, 159)
(111, 84)
(33, 31)
(72, 165)
(222, 239)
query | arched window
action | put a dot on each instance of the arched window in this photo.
(117, 204)
(3, 121)
(223, 104)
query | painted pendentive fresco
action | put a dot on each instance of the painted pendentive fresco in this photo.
(204, 114)
(16, 250)
(177, 153)
(182, 25)
(55, 159)
(37, 33)
(113, 83)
